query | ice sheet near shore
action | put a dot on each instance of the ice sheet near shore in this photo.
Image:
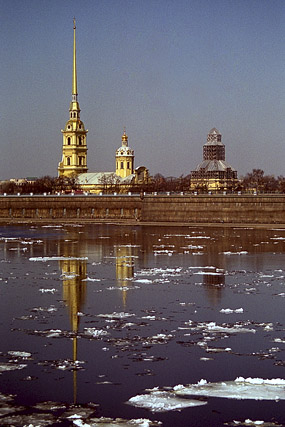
(157, 400)
(241, 388)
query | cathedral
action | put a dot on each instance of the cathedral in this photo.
(214, 173)
(74, 152)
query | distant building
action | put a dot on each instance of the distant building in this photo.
(74, 152)
(214, 173)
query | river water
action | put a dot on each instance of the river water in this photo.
(100, 324)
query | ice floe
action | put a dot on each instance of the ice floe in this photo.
(224, 328)
(116, 315)
(57, 258)
(162, 401)
(91, 279)
(46, 291)
(95, 333)
(229, 310)
(115, 422)
(11, 367)
(20, 354)
(241, 388)
(64, 365)
(235, 253)
(250, 423)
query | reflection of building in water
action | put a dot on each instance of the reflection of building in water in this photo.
(74, 270)
(74, 290)
(214, 284)
(124, 268)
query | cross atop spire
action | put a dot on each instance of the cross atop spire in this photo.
(124, 138)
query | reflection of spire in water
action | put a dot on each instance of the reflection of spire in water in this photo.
(124, 268)
(74, 295)
(214, 284)
(74, 290)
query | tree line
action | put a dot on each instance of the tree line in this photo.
(252, 181)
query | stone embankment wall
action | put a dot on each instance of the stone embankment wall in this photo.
(228, 209)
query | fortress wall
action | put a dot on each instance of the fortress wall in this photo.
(69, 207)
(232, 209)
(260, 209)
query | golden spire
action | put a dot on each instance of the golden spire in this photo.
(74, 75)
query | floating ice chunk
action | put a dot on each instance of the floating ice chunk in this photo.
(22, 354)
(235, 253)
(249, 380)
(198, 237)
(11, 367)
(44, 291)
(49, 406)
(50, 309)
(279, 340)
(69, 276)
(210, 273)
(54, 333)
(57, 258)
(116, 315)
(213, 327)
(143, 281)
(64, 365)
(91, 279)
(241, 388)
(7, 408)
(229, 310)
(277, 238)
(122, 288)
(95, 333)
(115, 422)
(162, 401)
(217, 349)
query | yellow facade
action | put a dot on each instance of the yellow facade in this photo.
(74, 150)
(214, 185)
(124, 158)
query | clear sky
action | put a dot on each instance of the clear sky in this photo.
(168, 70)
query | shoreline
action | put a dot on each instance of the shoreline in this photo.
(134, 223)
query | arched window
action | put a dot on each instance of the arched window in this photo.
(68, 161)
(79, 140)
(128, 165)
(68, 140)
(81, 160)
(122, 165)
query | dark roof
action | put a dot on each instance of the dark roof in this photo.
(214, 166)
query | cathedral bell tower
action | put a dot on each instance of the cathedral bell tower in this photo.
(74, 149)
(124, 158)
